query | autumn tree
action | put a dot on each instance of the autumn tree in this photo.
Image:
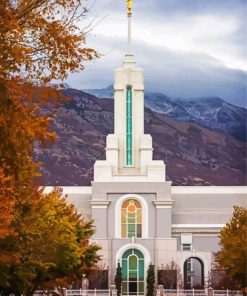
(40, 41)
(6, 205)
(52, 244)
(233, 241)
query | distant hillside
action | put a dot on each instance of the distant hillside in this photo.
(210, 112)
(106, 93)
(193, 155)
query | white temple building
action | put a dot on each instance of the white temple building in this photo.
(140, 218)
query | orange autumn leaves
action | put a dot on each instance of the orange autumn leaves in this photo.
(43, 39)
(40, 40)
(6, 205)
(43, 241)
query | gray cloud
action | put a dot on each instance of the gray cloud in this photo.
(187, 48)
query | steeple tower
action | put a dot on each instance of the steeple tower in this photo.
(129, 13)
(129, 150)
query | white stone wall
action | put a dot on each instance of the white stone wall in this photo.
(144, 168)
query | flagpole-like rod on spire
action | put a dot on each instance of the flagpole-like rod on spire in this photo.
(129, 13)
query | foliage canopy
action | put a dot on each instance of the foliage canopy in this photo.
(43, 241)
(51, 246)
(233, 241)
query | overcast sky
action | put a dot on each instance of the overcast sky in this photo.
(187, 48)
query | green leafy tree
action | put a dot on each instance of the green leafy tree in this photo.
(118, 279)
(150, 280)
(52, 247)
(233, 241)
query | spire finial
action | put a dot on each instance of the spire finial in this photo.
(129, 7)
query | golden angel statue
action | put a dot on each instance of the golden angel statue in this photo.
(129, 6)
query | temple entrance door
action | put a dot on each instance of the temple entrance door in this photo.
(133, 272)
(193, 273)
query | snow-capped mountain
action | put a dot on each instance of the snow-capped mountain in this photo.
(101, 92)
(210, 112)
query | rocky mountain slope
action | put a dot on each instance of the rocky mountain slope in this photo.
(193, 155)
(210, 112)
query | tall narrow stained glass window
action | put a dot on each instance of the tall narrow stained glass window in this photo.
(131, 219)
(129, 156)
(133, 272)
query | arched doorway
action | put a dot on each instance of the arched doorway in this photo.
(193, 273)
(133, 272)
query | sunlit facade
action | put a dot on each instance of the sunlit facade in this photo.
(139, 217)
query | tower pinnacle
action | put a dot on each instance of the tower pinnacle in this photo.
(129, 151)
(129, 13)
(129, 7)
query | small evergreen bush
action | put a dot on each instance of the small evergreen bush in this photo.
(118, 279)
(150, 280)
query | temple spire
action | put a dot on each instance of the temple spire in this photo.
(129, 7)
(129, 13)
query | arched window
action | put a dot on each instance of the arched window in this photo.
(131, 219)
(133, 272)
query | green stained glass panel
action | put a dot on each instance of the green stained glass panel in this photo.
(133, 262)
(133, 275)
(133, 272)
(141, 287)
(131, 227)
(138, 253)
(141, 269)
(127, 253)
(131, 230)
(131, 218)
(129, 126)
(124, 269)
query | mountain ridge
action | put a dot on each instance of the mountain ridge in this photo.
(211, 112)
(194, 155)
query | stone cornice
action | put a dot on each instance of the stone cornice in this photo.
(163, 204)
(196, 230)
(209, 190)
(100, 204)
